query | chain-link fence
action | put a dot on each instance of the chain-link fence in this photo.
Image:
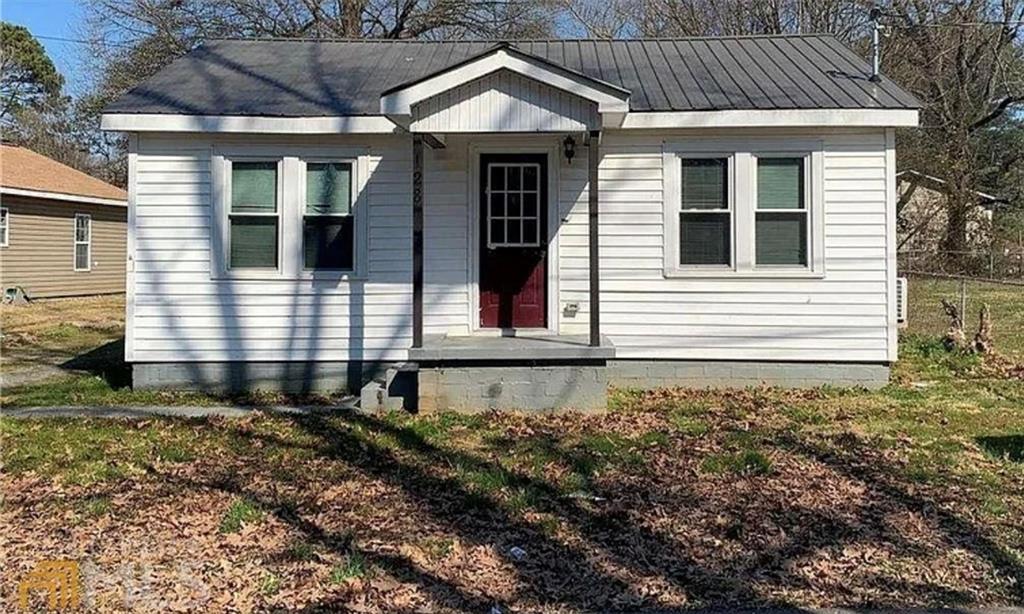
(1006, 264)
(930, 283)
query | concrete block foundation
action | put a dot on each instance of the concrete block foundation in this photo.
(229, 377)
(470, 386)
(736, 374)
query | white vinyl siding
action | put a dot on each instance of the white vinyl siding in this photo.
(181, 310)
(840, 316)
(504, 101)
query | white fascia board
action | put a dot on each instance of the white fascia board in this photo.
(73, 198)
(400, 102)
(158, 122)
(775, 118)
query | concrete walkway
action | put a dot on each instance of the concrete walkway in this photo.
(186, 411)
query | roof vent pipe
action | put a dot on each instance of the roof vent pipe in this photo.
(876, 45)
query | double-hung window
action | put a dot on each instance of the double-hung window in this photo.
(781, 218)
(743, 207)
(4, 227)
(83, 241)
(705, 215)
(328, 221)
(254, 215)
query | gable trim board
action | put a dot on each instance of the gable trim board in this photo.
(72, 198)
(609, 98)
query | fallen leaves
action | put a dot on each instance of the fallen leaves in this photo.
(542, 514)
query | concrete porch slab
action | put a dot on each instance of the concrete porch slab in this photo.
(521, 347)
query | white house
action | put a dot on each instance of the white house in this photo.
(310, 215)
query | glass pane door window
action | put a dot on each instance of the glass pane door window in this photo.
(83, 241)
(513, 205)
(253, 215)
(782, 215)
(705, 216)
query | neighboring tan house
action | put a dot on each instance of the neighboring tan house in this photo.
(512, 225)
(62, 232)
(921, 214)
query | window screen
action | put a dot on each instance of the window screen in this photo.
(781, 217)
(253, 216)
(328, 227)
(705, 218)
(4, 222)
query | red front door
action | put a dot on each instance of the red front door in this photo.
(513, 241)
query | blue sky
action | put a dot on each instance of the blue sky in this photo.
(58, 18)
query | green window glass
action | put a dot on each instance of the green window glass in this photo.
(253, 216)
(705, 220)
(780, 183)
(328, 225)
(329, 188)
(781, 217)
(254, 187)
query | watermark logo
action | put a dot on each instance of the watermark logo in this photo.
(60, 581)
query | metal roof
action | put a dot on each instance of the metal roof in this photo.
(308, 78)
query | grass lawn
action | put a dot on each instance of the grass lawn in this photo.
(46, 338)
(912, 495)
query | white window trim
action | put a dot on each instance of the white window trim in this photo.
(5, 223)
(742, 155)
(806, 211)
(87, 243)
(291, 209)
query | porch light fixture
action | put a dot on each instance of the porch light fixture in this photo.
(569, 148)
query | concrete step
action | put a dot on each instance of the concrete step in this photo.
(373, 398)
(395, 392)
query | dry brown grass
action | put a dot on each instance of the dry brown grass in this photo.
(48, 333)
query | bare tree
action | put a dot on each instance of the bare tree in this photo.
(844, 18)
(964, 59)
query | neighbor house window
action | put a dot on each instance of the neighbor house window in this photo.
(705, 217)
(328, 223)
(254, 215)
(4, 227)
(781, 217)
(83, 241)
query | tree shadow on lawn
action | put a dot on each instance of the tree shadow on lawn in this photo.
(106, 361)
(854, 462)
(617, 557)
(1009, 447)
